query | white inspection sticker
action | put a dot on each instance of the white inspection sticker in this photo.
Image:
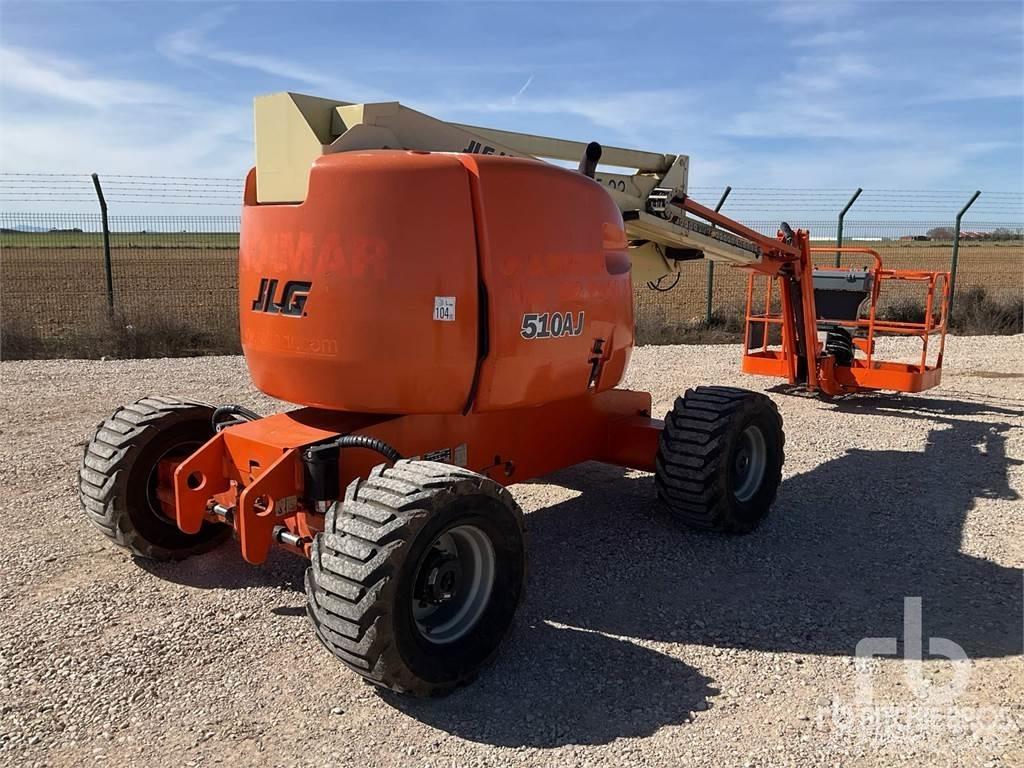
(444, 308)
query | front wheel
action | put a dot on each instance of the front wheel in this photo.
(720, 455)
(120, 481)
(416, 578)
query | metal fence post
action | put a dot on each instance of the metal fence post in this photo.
(956, 250)
(107, 268)
(839, 226)
(708, 299)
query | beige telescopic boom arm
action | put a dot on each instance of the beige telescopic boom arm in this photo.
(292, 130)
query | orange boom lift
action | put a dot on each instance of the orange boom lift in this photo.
(451, 323)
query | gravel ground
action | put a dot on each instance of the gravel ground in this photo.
(638, 643)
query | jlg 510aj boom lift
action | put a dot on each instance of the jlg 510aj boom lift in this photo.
(454, 316)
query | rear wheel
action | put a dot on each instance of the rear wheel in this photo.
(416, 578)
(720, 455)
(119, 476)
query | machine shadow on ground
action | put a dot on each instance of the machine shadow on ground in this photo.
(552, 686)
(829, 568)
(936, 409)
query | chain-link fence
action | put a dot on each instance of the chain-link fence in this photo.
(991, 257)
(167, 284)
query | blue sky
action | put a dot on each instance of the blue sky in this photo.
(766, 94)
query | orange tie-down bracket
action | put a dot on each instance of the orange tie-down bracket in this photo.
(252, 475)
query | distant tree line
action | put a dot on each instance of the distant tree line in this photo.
(999, 233)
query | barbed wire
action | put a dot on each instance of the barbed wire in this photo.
(230, 181)
(848, 191)
(40, 189)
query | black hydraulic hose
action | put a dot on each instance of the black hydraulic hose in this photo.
(231, 410)
(367, 442)
(321, 463)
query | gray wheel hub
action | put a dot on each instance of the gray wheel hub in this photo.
(453, 584)
(749, 463)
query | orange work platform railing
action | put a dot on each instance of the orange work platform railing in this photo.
(845, 360)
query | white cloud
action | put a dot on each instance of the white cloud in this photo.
(35, 74)
(632, 117)
(827, 73)
(117, 125)
(127, 143)
(984, 147)
(817, 98)
(191, 42)
(272, 66)
(802, 12)
(971, 88)
(113, 125)
(616, 111)
(191, 46)
(833, 38)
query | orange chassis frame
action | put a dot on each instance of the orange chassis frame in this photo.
(251, 475)
(255, 470)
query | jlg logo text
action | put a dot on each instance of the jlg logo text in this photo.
(293, 297)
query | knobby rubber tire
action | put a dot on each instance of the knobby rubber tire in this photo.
(115, 475)
(694, 472)
(360, 580)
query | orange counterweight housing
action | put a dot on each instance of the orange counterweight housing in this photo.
(433, 283)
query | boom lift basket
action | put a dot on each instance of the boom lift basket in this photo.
(847, 301)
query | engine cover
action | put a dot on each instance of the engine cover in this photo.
(413, 282)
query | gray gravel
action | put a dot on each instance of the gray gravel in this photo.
(638, 644)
